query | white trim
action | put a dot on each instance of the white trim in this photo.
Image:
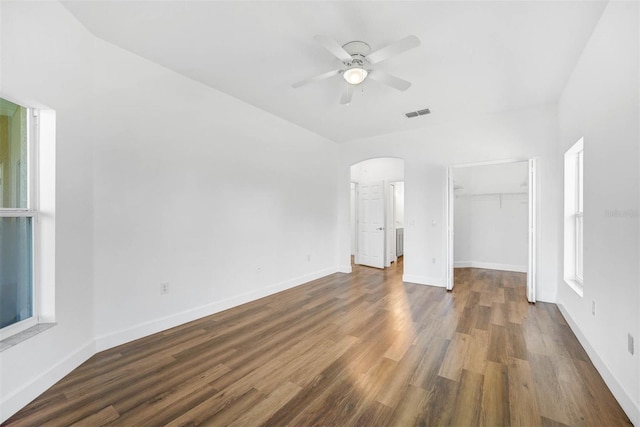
(32, 155)
(353, 232)
(575, 285)
(489, 162)
(344, 269)
(34, 388)
(144, 329)
(45, 268)
(491, 266)
(463, 264)
(17, 213)
(16, 328)
(532, 240)
(424, 280)
(631, 408)
(449, 215)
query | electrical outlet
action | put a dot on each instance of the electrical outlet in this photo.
(593, 307)
(258, 270)
(309, 258)
(630, 346)
(164, 288)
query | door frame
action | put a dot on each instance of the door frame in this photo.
(391, 221)
(354, 231)
(532, 266)
(532, 229)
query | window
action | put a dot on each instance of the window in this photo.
(574, 216)
(18, 216)
(578, 214)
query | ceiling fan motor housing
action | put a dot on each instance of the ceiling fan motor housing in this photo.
(358, 51)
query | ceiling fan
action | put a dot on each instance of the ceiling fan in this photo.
(356, 57)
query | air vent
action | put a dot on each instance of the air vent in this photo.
(417, 113)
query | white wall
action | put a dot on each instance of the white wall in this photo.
(187, 193)
(352, 219)
(488, 235)
(600, 103)
(427, 152)
(160, 179)
(491, 217)
(499, 233)
(376, 170)
(462, 212)
(46, 61)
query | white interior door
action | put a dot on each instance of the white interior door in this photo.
(532, 265)
(371, 242)
(450, 229)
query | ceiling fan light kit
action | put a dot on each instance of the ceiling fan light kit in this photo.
(356, 56)
(355, 75)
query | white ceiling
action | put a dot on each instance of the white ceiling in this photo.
(476, 57)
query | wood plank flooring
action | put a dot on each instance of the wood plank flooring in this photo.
(360, 349)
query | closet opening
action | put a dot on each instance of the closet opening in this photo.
(491, 225)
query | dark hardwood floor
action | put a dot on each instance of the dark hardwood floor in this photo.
(349, 349)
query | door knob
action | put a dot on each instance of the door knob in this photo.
(380, 229)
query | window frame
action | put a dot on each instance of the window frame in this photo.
(579, 218)
(574, 217)
(30, 211)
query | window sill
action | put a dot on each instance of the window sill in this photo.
(575, 285)
(16, 339)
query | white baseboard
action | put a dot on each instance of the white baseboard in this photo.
(34, 388)
(491, 266)
(462, 264)
(28, 392)
(424, 280)
(144, 329)
(344, 269)
(630, 407)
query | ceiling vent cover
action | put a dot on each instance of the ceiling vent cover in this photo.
(413, 114)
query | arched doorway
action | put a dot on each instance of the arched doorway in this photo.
(377, 212)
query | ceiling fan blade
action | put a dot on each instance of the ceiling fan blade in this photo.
(347, 92)
(334, 47)
(393, 49)
(389, 80)
(316, 78)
